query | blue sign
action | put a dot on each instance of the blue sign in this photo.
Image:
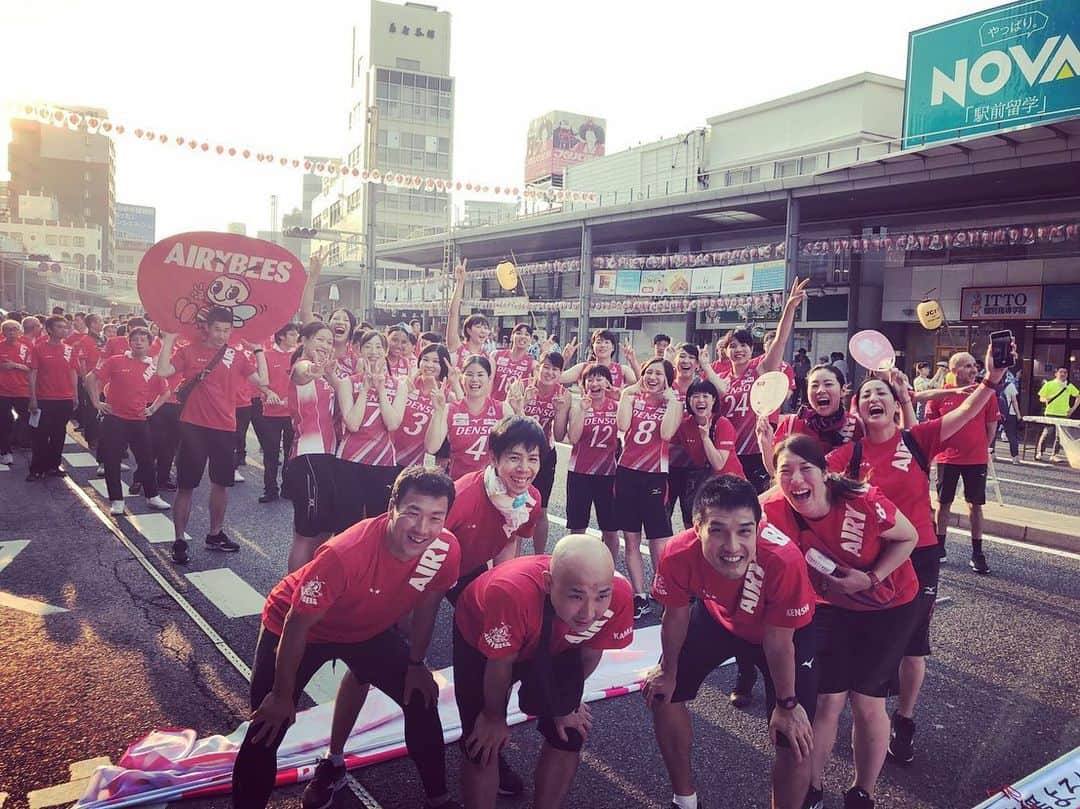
(1007, 67)
(768, 276)
(135, 223)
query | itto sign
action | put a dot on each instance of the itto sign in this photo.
(1009, 66)
(1001, 303)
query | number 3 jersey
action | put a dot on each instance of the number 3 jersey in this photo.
(594, 452)
(643, 449)
(468, 435)
(409, 437)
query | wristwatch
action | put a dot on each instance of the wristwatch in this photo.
(788, 703)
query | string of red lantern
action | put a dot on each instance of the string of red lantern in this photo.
(332, 168)
(948, 239)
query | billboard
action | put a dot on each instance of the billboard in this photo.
(560, 139)
(135, 223)
(1001, 303)
(1010, 66)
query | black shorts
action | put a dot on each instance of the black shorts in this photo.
(444, 450)
(585, 491)
(641, 500)
(469, 667)
(860, 650)
(545, 478)
(927, 564)
(754, 470)
(198, 445)
(708, 645)
(311, 483)
(974, 475)
(364, 490)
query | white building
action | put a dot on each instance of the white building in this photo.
(669, 166)
(480, 212)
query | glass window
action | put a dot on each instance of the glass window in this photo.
(407, 94)
(78, 241)
(408, 79)
(444, 146)
(395, 92)
(382, 74)
(395, 77)
(50, 238)
(382, 89)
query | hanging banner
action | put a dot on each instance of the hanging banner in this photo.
(768, 276)
(737, 279)
(183, 276)
(1001, 303)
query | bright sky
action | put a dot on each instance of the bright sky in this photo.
(273, 76)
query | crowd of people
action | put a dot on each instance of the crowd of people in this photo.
(417, 463)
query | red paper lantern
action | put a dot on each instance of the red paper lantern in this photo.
(284, 161)
(58, 115)
(93, 122)
(269, 158)
(219, 149)
(246, 153)
(356, 172)
(205, 147)
(119, 129)
(307, 164)
(193, 144)
(163, 138)
(75, 118)
(138, 133)
(179, 140)
(457, 187)
(150, 136)
(232, 152)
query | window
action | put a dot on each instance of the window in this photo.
(50, 238)
(408, 64)
(65, 241)
(78, 241)
(87, 212)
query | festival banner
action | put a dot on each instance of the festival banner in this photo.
(737, 279)
(628, 282)
(183, 276)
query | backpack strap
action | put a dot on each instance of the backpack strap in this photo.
(916, 451)
(855, 464)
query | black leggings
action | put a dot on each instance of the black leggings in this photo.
(48, 436)
(683, 483)
(380, 661)
(165, 430)
(275, 435)
(12, 407)
(88, 417)
(117, 433)
(243, 421)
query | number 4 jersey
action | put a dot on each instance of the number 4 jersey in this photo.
(594, 453)
(468, 435)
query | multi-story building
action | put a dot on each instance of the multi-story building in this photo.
(239, 228)
(74, 166)
(5, 206)
(400, 121)
(136, 230)
(480, 212)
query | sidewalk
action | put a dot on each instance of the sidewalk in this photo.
(1045, 528)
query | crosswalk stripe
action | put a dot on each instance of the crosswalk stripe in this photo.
(154, 527)
(228, 592)
(324, 685)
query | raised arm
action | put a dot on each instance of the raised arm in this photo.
(772, 358)
(436, 430)
(307, 300)
(164, 362)
(952, 421)
(453, 318)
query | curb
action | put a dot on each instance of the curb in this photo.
(1017, 530)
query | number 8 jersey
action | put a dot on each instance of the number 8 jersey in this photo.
(468, 435)
(643, 449)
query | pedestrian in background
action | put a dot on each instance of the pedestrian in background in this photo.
(1058, 394)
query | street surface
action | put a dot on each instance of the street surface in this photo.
(999, 701)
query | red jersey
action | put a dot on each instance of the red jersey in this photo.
(468, 435)
(508, 370)
(366, 588)
(594, 452)
(847, 430)
(213, 402)
(129, 385)
(54, 363)
(245, 391)
(400, 367)
(89, 352)
(889, 466)
(735, 404)
(312, 407)
(278, 366)
(371, 444)
(463, 352)
(688, 439)
(15, 383)
(850, 534)
(345, 365)
(618, 378)
(501, 614)
(775, 591)
(409, 437)
(114, 346)
(643, 449)
(969, 444)
(479, 527)
(155, 347)
(542, 408)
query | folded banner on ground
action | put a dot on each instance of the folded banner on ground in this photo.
(1055, 785)
(173, 764)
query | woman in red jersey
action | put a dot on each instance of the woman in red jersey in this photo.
(857, 546)
(399, 351)
(431, 373)
(548, 403)
(602, 346)
(14, 386)
(648, 417)
(468, 423)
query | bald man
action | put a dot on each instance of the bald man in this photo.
(965, 457)
(543, 620)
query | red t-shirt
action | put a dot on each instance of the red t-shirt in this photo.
(508, 370)
(594, 452)
(115, 345)
(15, 383)
(969, 445)
(213, 402)
(643, 448)
(850, 534)
(278, 365)
(775, 591)
(501, 614)
(87, 348)
(478, 525)
(365, 587)
(468, 435)
(245, 391)
(409, 437)
(54, 363)
(735, 404)
(312, 407)
(688, 439)
(129, 385)
(850, 429)
(890, 467)
(371, 444)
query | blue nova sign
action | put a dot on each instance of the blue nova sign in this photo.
(1006, 67)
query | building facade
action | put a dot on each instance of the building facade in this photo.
(669, 166)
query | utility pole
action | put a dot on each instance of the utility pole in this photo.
(371, 136)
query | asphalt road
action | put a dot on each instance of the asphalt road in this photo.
(999, 701)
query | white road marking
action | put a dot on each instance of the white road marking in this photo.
(1027, 546)
(99, 486)
(9, 550)
(1039, 485)
(154, 527)
(80, 460)
(324, 685)
(39, 608)
(228, 592)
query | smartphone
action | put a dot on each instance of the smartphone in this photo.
(1001, 347)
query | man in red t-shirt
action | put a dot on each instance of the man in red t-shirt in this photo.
(53, 395)
(753, 600)
(966, 456)
(546, 621)
(212, 371)
(343, 605)
(133, 393)
(273, 424)
(14, 389)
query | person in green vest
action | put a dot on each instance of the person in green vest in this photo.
(1061, 398)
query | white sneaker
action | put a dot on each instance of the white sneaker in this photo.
(1054, 458)
(101, 470)
(237, 477)
(7, 459)
(116, 508)
(156, 502)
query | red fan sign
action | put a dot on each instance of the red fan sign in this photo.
(182, 277)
